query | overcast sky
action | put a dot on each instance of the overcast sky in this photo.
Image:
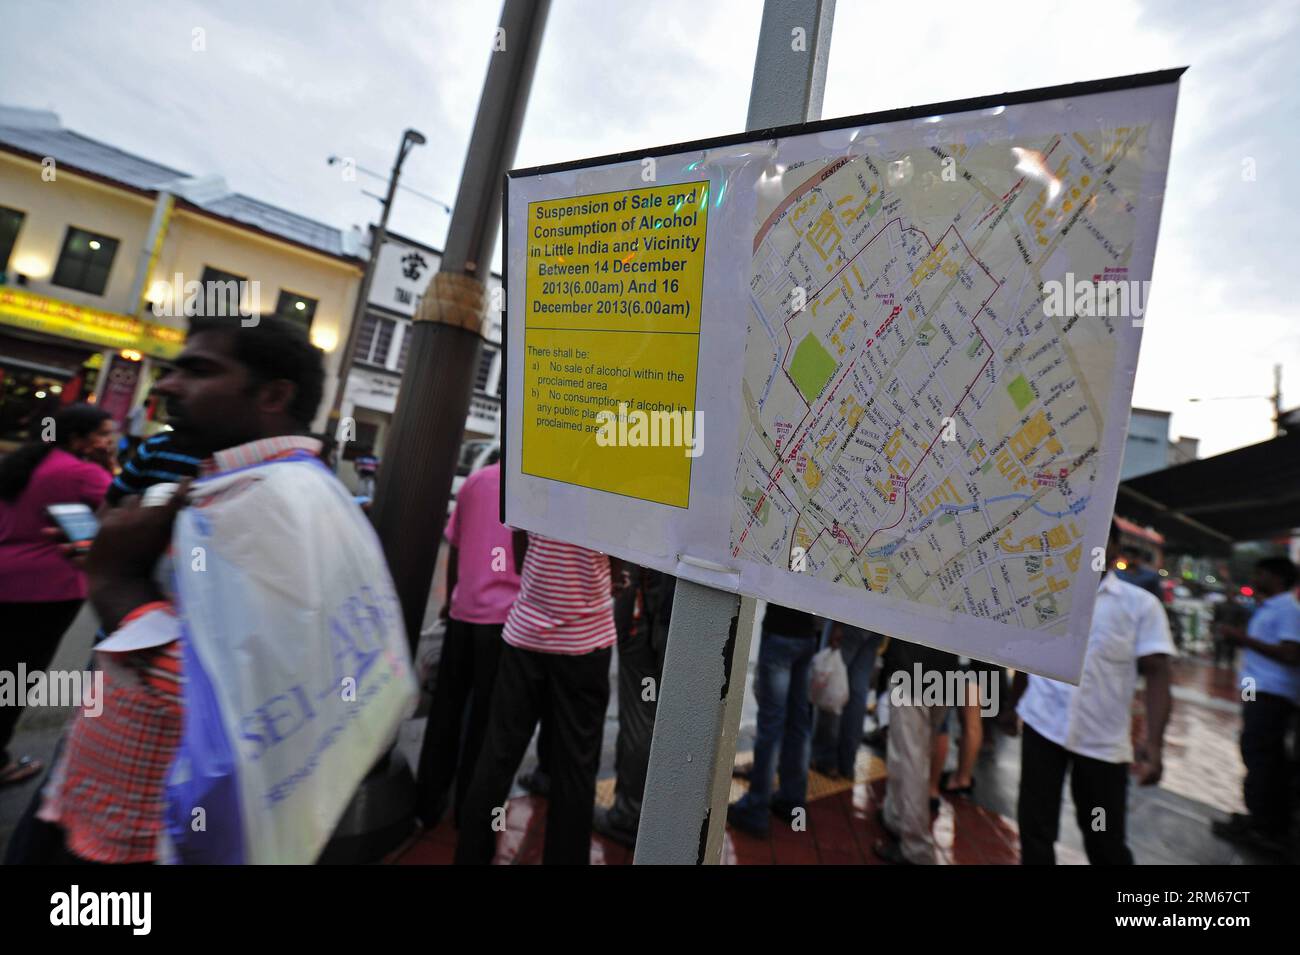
(280, 86)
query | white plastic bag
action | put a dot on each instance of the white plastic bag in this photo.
(830, 681)
(297, 667)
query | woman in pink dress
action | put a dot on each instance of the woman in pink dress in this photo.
(41, 590)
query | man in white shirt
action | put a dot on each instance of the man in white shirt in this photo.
(1086, 729)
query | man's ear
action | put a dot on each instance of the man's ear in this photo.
(276, 396)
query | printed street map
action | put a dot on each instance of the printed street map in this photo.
(920, 422)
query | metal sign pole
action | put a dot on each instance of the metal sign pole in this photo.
(684, 808)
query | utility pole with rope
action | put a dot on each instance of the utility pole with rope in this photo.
(410, 139)
(420, 457)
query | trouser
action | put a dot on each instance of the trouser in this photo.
(452, 739)
(1224, 651)
(1267, 790)
(912, 729)
(640, 658)
(837, 738)
(783, 730)
(29, 635)
(1100, 792)
(570, 693)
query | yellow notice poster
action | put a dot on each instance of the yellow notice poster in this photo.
(612, 340)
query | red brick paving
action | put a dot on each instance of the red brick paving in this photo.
(1214, 681)
(1201, 762)
(841, 829)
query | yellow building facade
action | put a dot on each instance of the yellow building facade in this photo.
(98, 250)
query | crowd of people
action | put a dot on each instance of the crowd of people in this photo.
(531, 624)
(1083, 730)
(559, 610)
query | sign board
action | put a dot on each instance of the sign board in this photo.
(117, 392)
(374, 390)
(876, 368)
(402, 273)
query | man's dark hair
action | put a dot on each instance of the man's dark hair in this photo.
(276, 348)
(1281, 568)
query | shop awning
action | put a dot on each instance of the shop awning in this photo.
(22, 308)
(1205, 506)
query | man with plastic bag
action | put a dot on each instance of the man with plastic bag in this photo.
(279, 606)
(849, 659)
(829, 687)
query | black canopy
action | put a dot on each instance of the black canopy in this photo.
(1207, 505)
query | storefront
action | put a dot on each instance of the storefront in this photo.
(54, 353)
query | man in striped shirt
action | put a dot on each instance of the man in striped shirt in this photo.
(554, 668)
(161, 459)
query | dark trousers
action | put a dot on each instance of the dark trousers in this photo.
(1264, 723)
(453, 737)
(836, 737)
(569, 694)
(30, 635)
(640, 658)
(1094, 784)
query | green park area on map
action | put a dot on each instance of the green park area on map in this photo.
(1021, 393)
(811, 368)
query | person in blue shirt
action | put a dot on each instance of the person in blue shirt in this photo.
(1270, 690)
(367, 465)
(1137, 573)
(161, 459)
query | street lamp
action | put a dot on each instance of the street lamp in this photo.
(410, 139)
(445, 207)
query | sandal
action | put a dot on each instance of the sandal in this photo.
(20, 770)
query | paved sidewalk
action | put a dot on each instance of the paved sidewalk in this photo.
(841, 828)
(1168, 824)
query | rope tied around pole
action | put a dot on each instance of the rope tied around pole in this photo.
(456, 300)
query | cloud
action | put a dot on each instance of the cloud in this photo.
(282, 86)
